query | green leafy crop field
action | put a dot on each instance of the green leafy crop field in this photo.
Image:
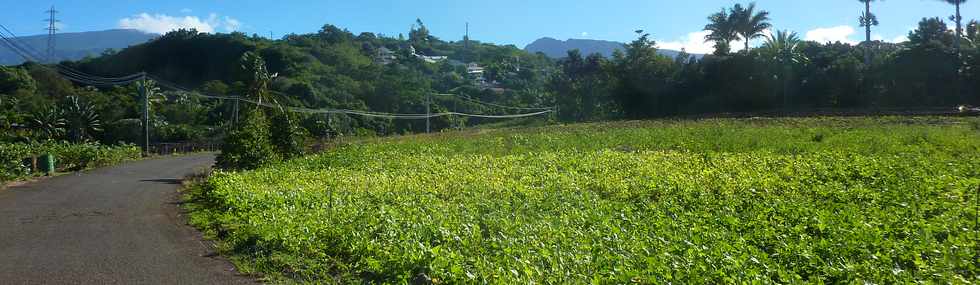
(878, 200)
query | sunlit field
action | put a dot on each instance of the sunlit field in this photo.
(878, 200)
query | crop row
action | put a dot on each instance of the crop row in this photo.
(881, 202)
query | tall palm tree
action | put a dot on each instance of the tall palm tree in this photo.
(749, 24)
(259, 87)
(959, 22)
(784, 49)
(867, 20)
(722, 32)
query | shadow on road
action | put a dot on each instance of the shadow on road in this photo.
(165, 181)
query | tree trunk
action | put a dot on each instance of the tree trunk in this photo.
(959, 27)
(867, 32)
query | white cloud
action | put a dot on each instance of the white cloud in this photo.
(584, 34)
(231, 24)
(832, 34)
(186, 10)
(692, 43)
(898, 39)
(161, 23)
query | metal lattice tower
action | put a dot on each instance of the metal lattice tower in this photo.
(52, 31)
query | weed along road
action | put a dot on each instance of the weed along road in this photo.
(117, 225)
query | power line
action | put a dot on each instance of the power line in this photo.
(465, 98)
(30, 54)
(371, 114)
(83, 78)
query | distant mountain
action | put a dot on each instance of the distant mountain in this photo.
(75, 46)
(559, 49)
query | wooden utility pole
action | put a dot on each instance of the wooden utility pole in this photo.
(235, 116)
(428, 111)
(144, 93)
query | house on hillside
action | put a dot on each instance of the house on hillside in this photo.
(385, 56)
(426, 58)
(474, 69)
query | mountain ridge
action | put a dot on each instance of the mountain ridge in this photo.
(76, 46)
(555, 48)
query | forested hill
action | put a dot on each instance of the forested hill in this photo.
(333, 68)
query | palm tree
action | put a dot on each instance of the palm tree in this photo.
(259, 87)
(722, 31)
(867, 20)
(959, 22)
(785, 50)
(749, 24)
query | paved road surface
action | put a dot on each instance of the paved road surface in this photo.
(118, 225)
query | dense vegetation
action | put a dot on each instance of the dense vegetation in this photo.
(873, 200)
(336, 69)
(68, 157)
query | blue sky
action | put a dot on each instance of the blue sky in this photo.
(674, 24)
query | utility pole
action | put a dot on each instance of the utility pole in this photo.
(235, 116)
(52, 31)
(145, 92)
(428, 111)
(466, 43)
(556, 113)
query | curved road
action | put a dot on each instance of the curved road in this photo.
(117, 225)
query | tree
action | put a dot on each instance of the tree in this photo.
(931, 31)
(260, 77)
(643, 76)
(419, 34)
(722, 31)
(13, 80)
(247, 146)
(867, 20)
(784, 50)
(332, 34)
(749, 24)
(581, 88)
(959, 22)
(286, 135)
(81, 120)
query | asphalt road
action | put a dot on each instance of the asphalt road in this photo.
(117, 225)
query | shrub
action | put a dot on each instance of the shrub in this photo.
(247, 145)
(286, 135)
(69, 157)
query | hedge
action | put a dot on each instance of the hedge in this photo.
(15, 157)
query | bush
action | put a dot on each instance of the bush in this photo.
(286, 135)
(247, 145)
(68, 157)
(11, 161)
